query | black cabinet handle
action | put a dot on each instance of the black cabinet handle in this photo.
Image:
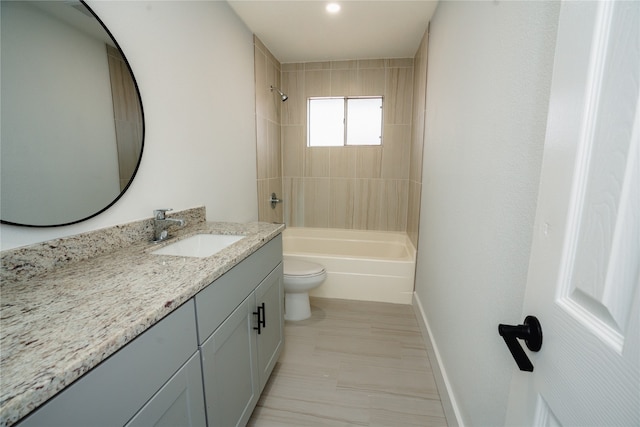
(530, 332)
(261, 319)
(264, 315)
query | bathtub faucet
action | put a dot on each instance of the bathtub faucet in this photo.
(161, 223)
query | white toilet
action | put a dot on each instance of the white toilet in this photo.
(299, 278)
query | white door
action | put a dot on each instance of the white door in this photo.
(584, 273)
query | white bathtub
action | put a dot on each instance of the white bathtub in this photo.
(361, 265)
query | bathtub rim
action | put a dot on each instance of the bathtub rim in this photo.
(397, 237)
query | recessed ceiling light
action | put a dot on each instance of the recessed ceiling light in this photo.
(333, 8)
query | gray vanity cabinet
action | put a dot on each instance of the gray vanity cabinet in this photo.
(140, 375)
(243, 346)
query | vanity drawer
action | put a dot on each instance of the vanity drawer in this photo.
(218, 300)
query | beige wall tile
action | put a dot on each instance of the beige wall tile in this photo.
(294, 110)
(293, 150)
(293, 201)
(275, 151)
(317, 162)
(368, 162)
(344, 65)
(366, 210)
(420, 82)
(258, 43)
(316, 202)
(317, 83)
(395, 151)
(260, 67)
(324, 65)
(292, 67)
(344, 82)
(275, 62)
(342, 162)
(417, 144)
(398, 96)
(274, 104)
(371, 63)
(371, 82)
(263, 212)
(341, 202)
(393, 205)
(413, 211)
(400, 63)
(262, 148)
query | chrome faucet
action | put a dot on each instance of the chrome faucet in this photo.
(161, 223)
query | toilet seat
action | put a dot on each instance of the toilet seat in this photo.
(296, 268)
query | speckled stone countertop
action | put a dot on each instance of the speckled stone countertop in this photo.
(58, 324)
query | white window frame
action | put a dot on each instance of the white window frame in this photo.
(345, 119)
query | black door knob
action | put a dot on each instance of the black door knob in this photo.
(530, 332)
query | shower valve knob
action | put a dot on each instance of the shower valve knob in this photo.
(273, 200)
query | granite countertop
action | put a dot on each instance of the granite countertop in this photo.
(58, 325)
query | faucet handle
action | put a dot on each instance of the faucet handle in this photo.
(160, 213)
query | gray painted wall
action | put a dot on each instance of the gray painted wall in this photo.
(489, 75)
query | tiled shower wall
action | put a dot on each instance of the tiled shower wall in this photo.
(268, 133)
(348, 187)
(417, 138)
(375, 188)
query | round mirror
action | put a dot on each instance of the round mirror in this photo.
(72, 124)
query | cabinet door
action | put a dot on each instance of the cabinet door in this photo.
(230, 370)
(113, 392)
(180, 402)
(270, 339)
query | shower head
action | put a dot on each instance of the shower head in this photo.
(282, 95)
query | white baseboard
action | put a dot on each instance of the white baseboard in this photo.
(449, 404)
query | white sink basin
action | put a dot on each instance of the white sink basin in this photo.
(199, 246)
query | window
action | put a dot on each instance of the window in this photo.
(335, 122)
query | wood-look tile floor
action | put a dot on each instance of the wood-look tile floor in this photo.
(353, 363)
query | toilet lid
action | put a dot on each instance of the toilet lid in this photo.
(294, 267)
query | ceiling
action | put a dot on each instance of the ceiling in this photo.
(303, 31)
